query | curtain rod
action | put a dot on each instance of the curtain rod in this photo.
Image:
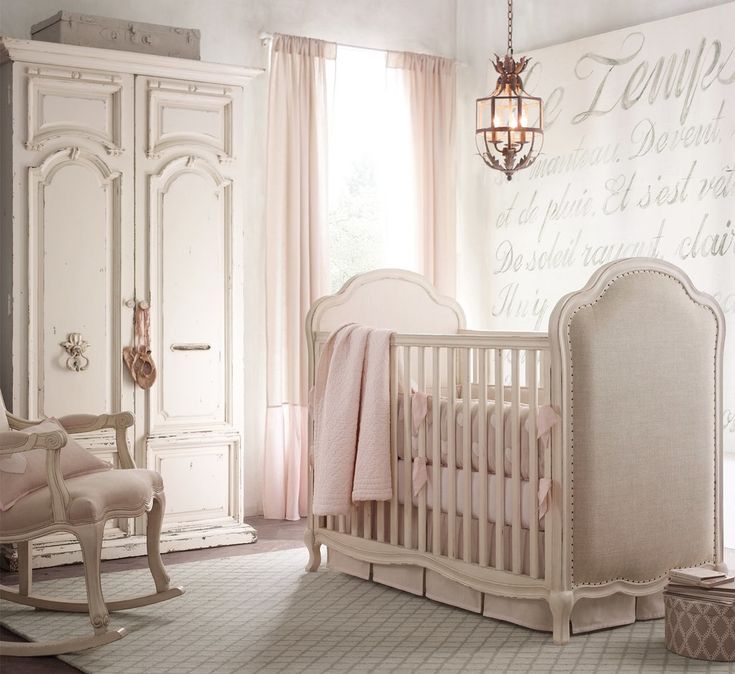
(266, 38)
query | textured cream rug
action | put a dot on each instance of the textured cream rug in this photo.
(263, 613)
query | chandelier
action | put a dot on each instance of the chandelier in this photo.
(509, 123)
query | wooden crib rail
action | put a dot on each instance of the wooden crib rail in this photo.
(466, 338)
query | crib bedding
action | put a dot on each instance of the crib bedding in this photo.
(458, 425)
(445, 477)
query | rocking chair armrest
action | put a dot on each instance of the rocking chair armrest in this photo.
(119, 422)
(12, 442)
(87, 423)
(80, 423)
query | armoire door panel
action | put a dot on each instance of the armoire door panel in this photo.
(198, 475)
(190, 225)
(75, 284)
(69, 103)
(189, 114)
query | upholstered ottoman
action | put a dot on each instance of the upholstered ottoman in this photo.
(700, 629)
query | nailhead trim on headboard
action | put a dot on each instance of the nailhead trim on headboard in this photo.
(571, 422)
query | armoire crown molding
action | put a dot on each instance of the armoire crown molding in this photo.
(51, 53)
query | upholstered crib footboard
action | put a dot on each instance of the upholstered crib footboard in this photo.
(637, 357)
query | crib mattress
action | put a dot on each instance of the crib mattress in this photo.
(492, 480)
(457, 423)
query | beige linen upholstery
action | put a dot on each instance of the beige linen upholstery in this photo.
(94, 498)
(642, 457)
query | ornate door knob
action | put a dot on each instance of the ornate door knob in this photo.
(75, 346)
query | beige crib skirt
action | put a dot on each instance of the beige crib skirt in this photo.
(588, 614)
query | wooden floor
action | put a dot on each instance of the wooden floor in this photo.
(272, 535)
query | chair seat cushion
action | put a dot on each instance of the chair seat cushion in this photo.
(94, 498)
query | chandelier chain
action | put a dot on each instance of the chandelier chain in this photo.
(510, 27)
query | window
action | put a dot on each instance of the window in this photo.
(372, 217)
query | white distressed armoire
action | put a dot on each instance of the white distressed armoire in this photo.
(122, 182)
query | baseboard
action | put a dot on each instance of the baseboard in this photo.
(47, 553)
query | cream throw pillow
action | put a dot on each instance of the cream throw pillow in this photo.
(25, 472)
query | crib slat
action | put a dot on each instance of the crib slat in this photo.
(407, 451)
(394, 378)
(342, 523)
(367, 520)
(380, 524)
(499, 461)
(420, 383)
(354, 521)
(531, 385)
(546, 400)
(482, 466)
(436, 451)
(515, 420)
(467, 458)
(451, 455)
(330, 522)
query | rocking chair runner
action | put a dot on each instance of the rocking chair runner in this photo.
(81, 506)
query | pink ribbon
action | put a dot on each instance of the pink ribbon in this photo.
(544, 496)
(419, 409)
(420, 474)
(546, 419)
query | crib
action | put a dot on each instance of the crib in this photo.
(568, 471)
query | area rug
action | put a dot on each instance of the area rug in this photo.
(264, 613)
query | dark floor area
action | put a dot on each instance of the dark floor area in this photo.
(272, 535)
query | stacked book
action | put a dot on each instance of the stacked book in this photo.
(703, 584)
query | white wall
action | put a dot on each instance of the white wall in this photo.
(229, 30)
(481, 32)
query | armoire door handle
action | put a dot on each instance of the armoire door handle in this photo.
(190, 347)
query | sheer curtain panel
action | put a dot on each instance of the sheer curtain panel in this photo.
(296, 264)
(428, 83)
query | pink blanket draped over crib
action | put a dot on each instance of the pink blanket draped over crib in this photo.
(352, 420)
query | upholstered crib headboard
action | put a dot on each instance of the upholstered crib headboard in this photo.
(396, 299)
(388, 298)
(637, 356)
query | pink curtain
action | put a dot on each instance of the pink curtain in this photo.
(428, 83)
(296, 264)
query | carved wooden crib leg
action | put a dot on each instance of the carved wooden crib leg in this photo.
(315, 551)
(561, 605)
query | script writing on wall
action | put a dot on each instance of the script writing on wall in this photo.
(639, 160)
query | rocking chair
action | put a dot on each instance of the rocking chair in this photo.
(81, 506)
